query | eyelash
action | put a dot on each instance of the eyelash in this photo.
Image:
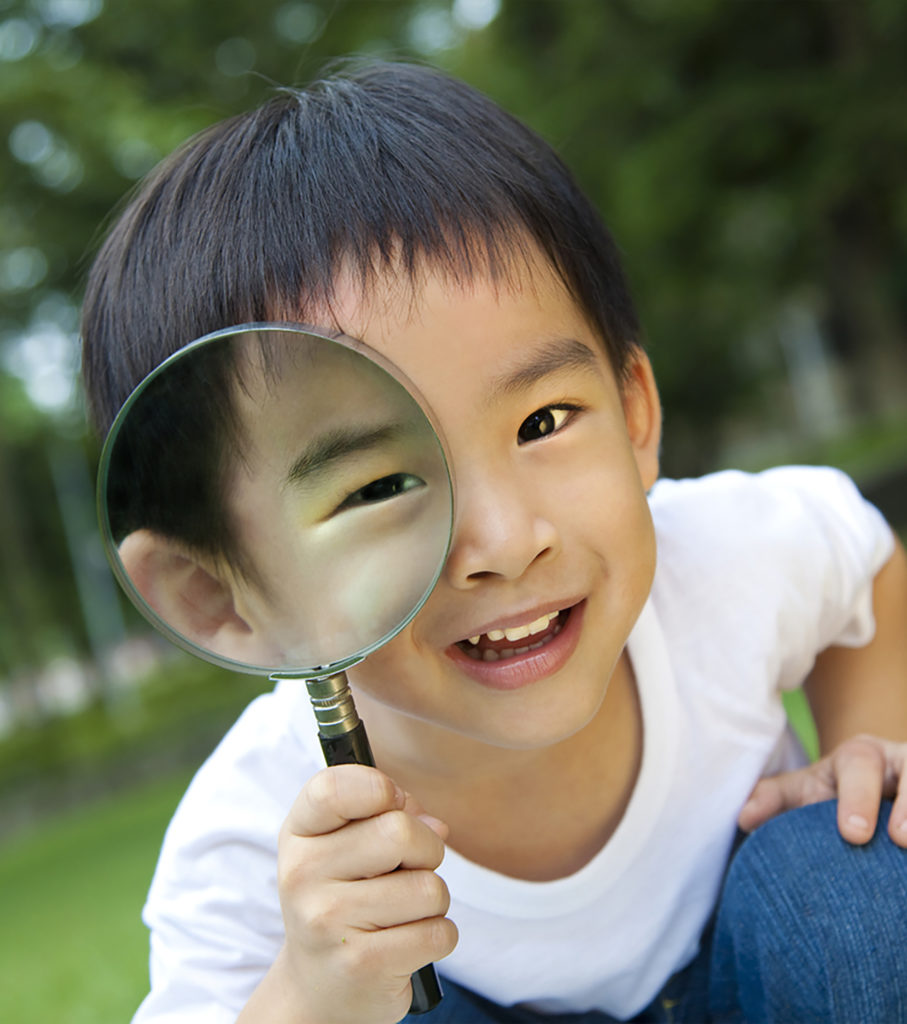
(540, 415)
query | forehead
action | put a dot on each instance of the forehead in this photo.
(433, 323)
(289, 385)
(395, 294)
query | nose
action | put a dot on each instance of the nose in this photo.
(501, 529)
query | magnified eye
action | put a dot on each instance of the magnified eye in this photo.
(544, 421)
(383, 489)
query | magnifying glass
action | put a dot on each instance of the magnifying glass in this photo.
(276, 501)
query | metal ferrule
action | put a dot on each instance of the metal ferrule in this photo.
(333, 705)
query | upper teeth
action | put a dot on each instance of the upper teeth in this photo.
(518, 632)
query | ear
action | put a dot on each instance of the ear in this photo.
(642, 412)
(190, 598)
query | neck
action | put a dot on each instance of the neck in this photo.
(506, 808)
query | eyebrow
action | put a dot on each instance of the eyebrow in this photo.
(336, 445)
(554, 357)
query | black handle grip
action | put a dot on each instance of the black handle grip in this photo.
(353, 748)
(427, 991)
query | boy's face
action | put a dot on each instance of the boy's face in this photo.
(551, 461)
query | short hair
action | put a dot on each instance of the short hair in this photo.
(253, 218)
(383, 167)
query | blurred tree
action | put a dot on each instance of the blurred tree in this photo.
(750, 157)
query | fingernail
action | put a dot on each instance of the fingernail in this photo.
(858, 821)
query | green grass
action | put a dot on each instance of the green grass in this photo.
(801, 720)
(73, 949)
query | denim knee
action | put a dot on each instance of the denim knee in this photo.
(811, 928)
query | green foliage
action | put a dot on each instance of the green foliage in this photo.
(747, 155)
(173, 719)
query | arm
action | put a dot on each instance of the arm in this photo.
(864, 689)
(859, 701)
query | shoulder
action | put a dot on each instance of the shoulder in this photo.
(780, 561)
(791, 512)
(258, 761)
(249, 781)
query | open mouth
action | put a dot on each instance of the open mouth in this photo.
(499, 644)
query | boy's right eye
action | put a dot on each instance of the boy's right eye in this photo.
(382, 489)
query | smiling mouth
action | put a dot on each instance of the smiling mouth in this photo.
(500, 644)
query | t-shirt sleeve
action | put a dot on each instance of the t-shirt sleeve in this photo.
(213, 908)
(778, 564)
(838, 543)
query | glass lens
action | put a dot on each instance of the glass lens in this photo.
(276, 501)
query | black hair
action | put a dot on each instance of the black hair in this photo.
(167, 462)
(386, 167)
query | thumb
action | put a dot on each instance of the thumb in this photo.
(413, 807)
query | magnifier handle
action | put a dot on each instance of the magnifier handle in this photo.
(348, 747)
(353, 748)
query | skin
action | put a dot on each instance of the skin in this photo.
(556, 521)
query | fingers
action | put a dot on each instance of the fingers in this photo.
(897, 823)
(766, 800)
(399, 918)
(408, 947)
(860, 768)
(380, 830)
(387, 901)
(783, 792)
(859, 773)
(870, 769)
(378, 846)
(336, 796)
(352, 823)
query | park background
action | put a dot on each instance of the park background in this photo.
(749, 156)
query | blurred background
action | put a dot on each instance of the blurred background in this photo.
(750, 158)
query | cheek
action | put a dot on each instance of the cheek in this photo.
(605, 511)
(600, 488)
(390, 675)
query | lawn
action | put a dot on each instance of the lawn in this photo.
(73, 949)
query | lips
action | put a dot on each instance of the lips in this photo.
(507, 665)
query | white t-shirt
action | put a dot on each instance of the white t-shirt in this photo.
(755, 576)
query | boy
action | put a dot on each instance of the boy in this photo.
(584, 789)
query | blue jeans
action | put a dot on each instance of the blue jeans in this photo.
(808, 929)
